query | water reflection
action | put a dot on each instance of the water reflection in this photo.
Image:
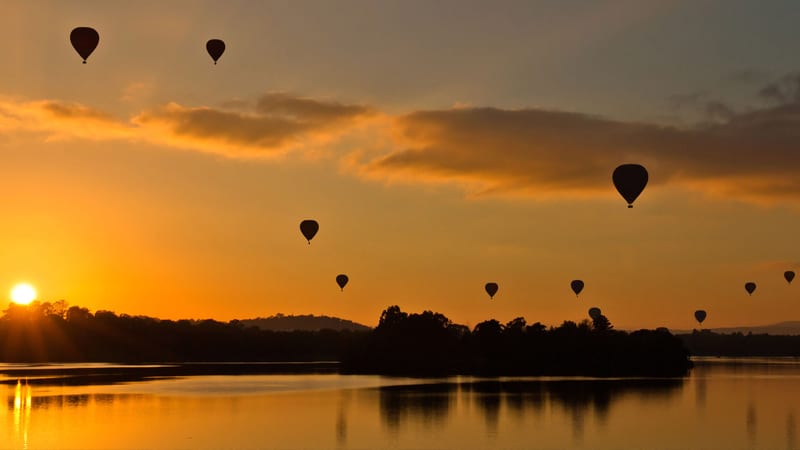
(726, 406)
(750, 424)
(578, 399)
(489, 400)
(700, 391)
(429, 403)
(21, 404)
(341, 418)
(106, 374)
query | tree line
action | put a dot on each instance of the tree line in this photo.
(429, 343)
(426, 343)
(45, 332)
(708, 343)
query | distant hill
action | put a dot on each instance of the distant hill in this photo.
(307, 322)
(790, 328)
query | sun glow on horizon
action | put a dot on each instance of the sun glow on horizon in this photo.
(23, 294)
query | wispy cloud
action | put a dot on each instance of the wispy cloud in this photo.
(59, 120)
(750, 155)
(784, 90)
(273, 125)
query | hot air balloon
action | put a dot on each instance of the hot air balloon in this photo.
(594, 312)
(342, 280)
(789, 275)
(630, 180)
(577, 286)
(84, 40)
(215, 48)
(309, 229)
(750, 287)
(700, 315)
(491, 289)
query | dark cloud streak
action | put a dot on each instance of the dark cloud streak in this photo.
(751, 155)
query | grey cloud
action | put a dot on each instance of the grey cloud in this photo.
(784, 90)
(270, 126)
(750, 155)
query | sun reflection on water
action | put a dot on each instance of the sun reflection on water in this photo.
(22, 411)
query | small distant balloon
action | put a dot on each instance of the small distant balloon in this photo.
(491, 289)
(700, 315)
(789, 275)
(630, 180)
(750, 287)
(215, 49)
(84, 40)
(342, 280)
(309, 229)
(594, 312)
(577, 286)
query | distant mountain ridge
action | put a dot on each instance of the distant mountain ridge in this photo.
(307, 322)
(788, 328)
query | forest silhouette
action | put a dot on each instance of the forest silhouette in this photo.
(426, 343)
(45, 332)
(708, 343)
(429, 343)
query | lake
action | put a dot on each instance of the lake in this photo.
(748, 403)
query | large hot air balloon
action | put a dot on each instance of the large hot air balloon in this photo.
(491, 289)
(594, 312)
(342, 280)
(215, 48)
(750, 287)
(700, 315)
(630, 180)
(577, 286)
(309, 229)
(84, 40)
(789, 275)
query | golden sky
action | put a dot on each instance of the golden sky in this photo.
(440, 146)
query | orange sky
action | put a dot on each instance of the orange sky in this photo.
(438, 150)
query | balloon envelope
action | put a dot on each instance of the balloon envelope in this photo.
(342, 280)
(789, 275)
(577, 286)
(84, 40)
(630, 180)
(750, 287)
(309, 229)
(594, 312)
(700, 315)
(491, 289)
(215, 48)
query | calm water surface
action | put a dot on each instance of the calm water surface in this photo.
(723, 404)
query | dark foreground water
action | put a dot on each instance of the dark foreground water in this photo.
(723, 404)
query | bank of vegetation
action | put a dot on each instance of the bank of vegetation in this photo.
(429, 343)
(426, 343)
(708, 343)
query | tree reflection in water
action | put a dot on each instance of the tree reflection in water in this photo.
(341, 417)
(432, 403)
(750, 424)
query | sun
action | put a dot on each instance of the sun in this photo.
(23, 294)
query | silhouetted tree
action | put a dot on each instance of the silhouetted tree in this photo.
(60, 308)
(708, 343)
(392, 316)
(428, 343)
(601, 323)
